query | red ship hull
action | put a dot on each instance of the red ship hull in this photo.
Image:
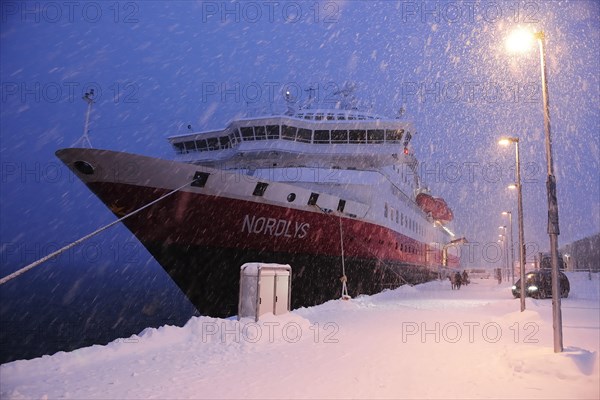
(201, 240)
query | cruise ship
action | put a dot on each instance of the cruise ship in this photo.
(334, 193)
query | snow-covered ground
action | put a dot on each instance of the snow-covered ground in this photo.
(425, 341)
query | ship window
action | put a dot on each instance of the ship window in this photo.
(260, 188)
(313, 199)
(351, 117)
(236, 134)
(272, 131)
(291, 197)
(201, 145)
(200, 179)
(339, 136)
(392, 213)
(213, 143)
(375, 136)
(341, 205)
(190, 146)
(318, 117)
(304, 135)
(308, 116)
(330, 117)
(260, 132)
(178, 147)
(397, 216)
(225, 142)
(321, 136)
(385, 211)
(288, 132)
(341, 117)
(357, 136)
(394, 135)
(247, 133)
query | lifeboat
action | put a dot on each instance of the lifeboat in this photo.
(436, 206)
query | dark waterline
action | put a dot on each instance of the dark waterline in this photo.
(65, 308)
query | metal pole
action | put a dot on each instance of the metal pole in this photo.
(512, 248)
(521, 234)
(507, 260)
(553, 226)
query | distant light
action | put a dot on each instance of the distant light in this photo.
(504, 142)
(406, 150)
(505, 212)
(512, 186)
(519, 41)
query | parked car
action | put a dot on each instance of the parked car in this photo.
(538, 284)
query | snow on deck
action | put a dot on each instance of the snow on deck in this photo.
(426, 341)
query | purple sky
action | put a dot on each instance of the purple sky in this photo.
(162, 65)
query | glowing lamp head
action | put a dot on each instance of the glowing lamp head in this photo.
(512, 186)
(519, 41)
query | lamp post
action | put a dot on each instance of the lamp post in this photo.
(512, 246)
(519, 41)
(505, 142)
(503, 267)
(506, 251)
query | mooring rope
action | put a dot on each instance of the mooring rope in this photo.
(381, 261)
(86, 237)
(344, 279)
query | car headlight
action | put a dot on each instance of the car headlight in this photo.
(532, 288)
(514, 287)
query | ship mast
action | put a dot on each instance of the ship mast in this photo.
(85, 138)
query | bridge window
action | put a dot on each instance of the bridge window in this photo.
(304, 135)
(313, 199)
(288, 132)
(272, 131)
(260, 132)
(213, 143)
(201, 145)
(375, 136)
(339, 136)
(236, 135)
(321, 136)
(225, 142)
(178, 147)
(190, 146)
(330, 117)
(341, 205)
(394, 135)
(357, 136)
(247, 133)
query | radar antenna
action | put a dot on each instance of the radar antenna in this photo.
(347, 100)
(84, 140)
(291, 103)
(311, 99)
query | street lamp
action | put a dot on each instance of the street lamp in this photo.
(512, 246)
(525, 38)
(506, 142)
